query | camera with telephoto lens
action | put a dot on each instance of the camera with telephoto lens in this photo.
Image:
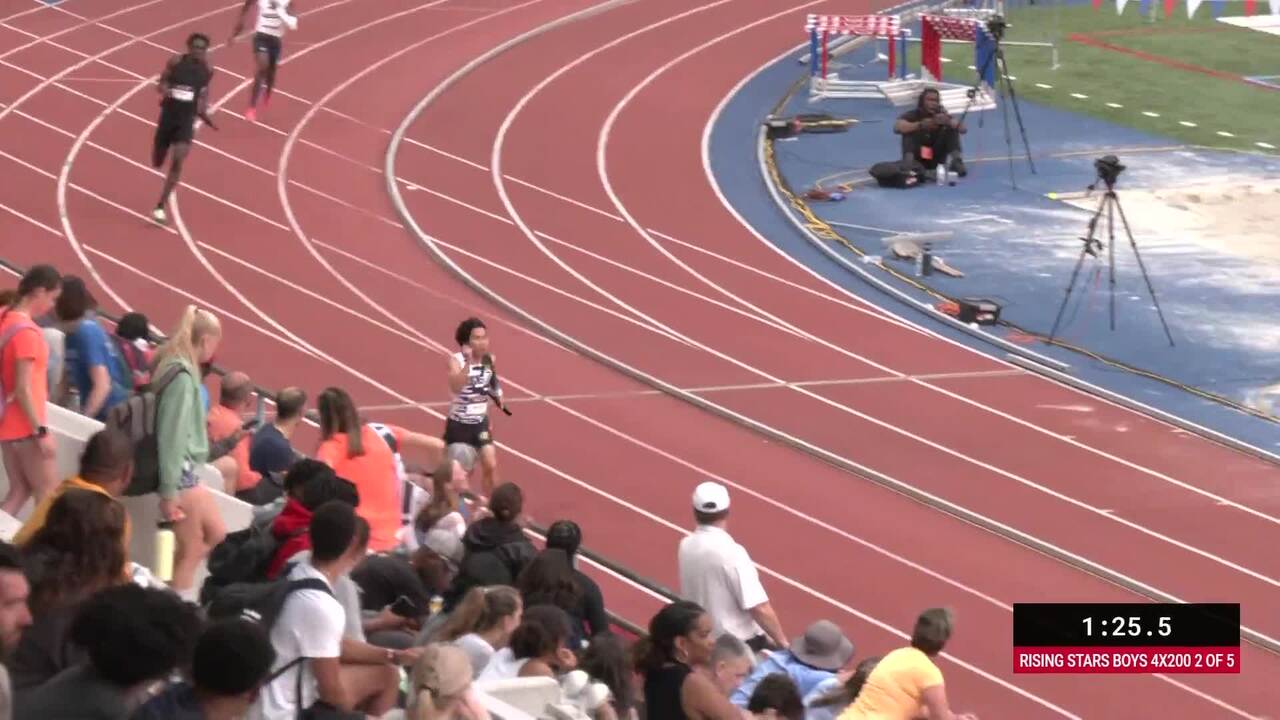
(1109, 169)
(996, 26)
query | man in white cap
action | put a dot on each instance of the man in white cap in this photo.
(718, 574)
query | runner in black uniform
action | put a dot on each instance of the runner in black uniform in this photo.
(472, 380)
(184, 93)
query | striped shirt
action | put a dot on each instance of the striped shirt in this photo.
(271, 17)
(471, 406)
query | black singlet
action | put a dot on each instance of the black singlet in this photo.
(188, 78)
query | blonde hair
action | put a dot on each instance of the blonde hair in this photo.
(194, 326)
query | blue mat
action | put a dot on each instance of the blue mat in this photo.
(1018, 246)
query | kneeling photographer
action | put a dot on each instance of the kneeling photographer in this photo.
(930, 136)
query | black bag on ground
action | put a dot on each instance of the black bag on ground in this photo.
(897, 173)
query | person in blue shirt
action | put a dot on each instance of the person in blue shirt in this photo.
(94, 367)
(816, 656)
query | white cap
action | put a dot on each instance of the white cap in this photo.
(710, 497)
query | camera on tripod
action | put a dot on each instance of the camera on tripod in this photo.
(1109, 169)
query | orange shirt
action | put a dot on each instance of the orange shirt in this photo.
(224, 421)
(25, 345)
(41, 512)
(374, 475)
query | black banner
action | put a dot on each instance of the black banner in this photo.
(1126, 625)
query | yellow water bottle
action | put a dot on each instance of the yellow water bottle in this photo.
(165, 545)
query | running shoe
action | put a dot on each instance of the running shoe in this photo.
(251, 114)
(159, 216)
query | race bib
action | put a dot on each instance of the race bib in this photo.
(474, 408)
(182, 94)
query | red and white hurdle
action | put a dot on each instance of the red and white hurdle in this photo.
(899, 87)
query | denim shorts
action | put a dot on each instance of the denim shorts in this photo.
(188, 479)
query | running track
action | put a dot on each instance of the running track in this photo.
(566, 175)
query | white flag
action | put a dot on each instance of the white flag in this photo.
(1193, 5)
(1120, 6)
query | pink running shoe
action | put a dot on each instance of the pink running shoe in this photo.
(251, 114)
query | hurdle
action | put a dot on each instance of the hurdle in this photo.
(900, 88)
(826, 84)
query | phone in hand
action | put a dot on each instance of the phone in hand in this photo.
(404, 607)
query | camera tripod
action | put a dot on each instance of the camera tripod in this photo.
(1110, 203)
(996, 26)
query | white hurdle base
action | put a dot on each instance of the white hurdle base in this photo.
(900, 93)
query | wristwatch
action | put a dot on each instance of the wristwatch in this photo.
(42, 431)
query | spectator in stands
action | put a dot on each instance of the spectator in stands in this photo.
(15, 617)
(776, 696)
(718, 574)
(270, 451)
(731, 663)
(356, 452)
(567, 536)
(77, 553)
(28, 447)
(548, 580)
(183, 440)
(442, 687)
(483, 622)
(445, 510)
(94, 368)
(831, 697)
(906, 682)
(538, 647)
(230, 435)
(311, 484)
(132, 636)
(133, 338)
(310, 625)
(495, 549)
(811, 659)
(607, 661)
(386, 580)
(680, 639)
(232, 660)
(106, 466)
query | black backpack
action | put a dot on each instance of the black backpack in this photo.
(897, 173)
(259, 602)
(242, 557)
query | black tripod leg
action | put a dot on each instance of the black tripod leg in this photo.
(1003, 82)
(1143, 268)
(1075, 272)
(1109, 200)
(1017, 113)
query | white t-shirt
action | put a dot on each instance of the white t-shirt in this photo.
(502, 666)
(310, 625)
(717, 573)
(478, 650)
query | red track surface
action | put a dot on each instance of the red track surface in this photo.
(286, 231)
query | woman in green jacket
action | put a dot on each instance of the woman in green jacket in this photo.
(183, 440)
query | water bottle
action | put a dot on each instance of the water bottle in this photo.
(166, 542)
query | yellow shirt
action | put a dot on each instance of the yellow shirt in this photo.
(41, 512)
(895, 689)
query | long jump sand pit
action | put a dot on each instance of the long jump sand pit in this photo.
(1236, 216)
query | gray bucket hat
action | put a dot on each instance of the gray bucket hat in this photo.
(823, 646)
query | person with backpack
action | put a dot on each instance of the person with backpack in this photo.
(182, 445)
(307, 633)
(28, 448)
(133, 339)
(93, 363)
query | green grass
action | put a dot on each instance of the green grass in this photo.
(1251, 114)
